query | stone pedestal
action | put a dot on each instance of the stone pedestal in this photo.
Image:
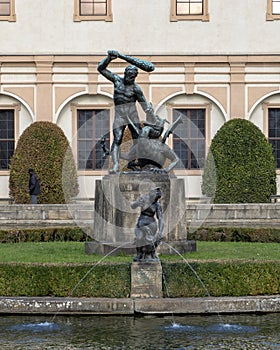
(114, 220)
(146, 280)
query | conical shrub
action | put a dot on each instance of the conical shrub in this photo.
(43, 147)
(240, 166)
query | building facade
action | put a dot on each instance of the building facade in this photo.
(214, 61)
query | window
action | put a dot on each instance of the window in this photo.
(93, 10)
(7, 137)
(7, 10)
(189, 138)
(273, 10)
(189, 10)
(92, 126)
(274, 132)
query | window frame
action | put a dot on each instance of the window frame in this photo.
(79, 18)
(12, 16)
(74, 109)
(266, 106)
(16, 108)
(207, 107)
(203, 17)
(269, 14)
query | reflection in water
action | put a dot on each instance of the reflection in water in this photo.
(124, 332)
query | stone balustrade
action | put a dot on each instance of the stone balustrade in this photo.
(233, 215)
(45, 215)
(197, 215)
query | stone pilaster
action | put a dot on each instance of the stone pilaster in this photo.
(146, 280)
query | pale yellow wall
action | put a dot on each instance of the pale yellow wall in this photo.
(49, 87)
(47, 27)
(230, 62)
(4, 186)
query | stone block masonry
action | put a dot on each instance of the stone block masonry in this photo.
(131, 306)
(19, 216)
(146, 280)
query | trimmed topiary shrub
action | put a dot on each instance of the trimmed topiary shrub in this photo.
(240, 166)
(235, 234)
(64, 280)
(43, 147)
(105, 280)
(221, 278)
(44, 234)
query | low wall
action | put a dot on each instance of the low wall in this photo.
(233, 215)
(157, 306)
(45, 215)
(197, 215)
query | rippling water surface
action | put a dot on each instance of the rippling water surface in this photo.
(147, 333)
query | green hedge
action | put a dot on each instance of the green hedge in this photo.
(64, 234)
(65, 280)
(236, 234)
(44, 147)
(218, 234)
(230, 278)
(222, 278)
(240, 166)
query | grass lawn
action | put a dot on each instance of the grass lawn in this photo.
(74, 252)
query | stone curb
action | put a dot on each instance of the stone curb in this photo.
(128, 306)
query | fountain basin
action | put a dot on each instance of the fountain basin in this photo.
(233, 332)
(131, 306)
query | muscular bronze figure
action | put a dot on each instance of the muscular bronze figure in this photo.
(126, 94)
